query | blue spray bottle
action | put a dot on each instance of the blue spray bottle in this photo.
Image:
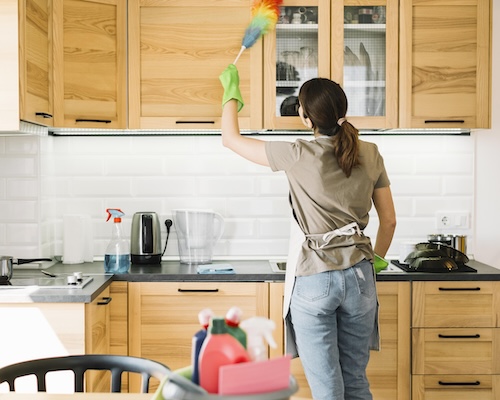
(204, 316)
(117, 256)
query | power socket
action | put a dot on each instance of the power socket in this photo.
(452, 220)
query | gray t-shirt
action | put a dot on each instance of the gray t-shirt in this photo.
(324, 199)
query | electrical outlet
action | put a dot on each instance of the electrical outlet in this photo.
(452, 220)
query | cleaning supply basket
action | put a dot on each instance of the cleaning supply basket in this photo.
(176, 387)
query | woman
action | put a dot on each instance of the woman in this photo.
(330, 297)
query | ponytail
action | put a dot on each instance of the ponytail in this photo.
(346, 147)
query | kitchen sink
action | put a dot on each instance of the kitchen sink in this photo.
(280, 267)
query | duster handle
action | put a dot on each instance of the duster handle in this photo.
(239, 54)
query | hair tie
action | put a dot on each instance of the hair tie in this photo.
(341, 121)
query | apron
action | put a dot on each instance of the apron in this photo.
(297, 238)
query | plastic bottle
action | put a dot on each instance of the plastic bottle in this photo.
(219, 349)
(233, 319)
(117, 256)
(204, 317)
(258, 328)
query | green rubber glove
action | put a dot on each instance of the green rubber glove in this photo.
(230, 80)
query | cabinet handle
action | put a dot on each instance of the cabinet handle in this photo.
(105, 300)
(476, 383)
(195, 122)
(476, 336)
(104, 121)
(198, 290)
(444, 121)
(444, 289)
(43, 114)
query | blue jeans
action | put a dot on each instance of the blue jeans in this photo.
(333, 315)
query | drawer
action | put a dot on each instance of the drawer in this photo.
(465, 387)
(456, 351)
(456, 304)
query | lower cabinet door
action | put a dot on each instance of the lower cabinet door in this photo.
(389, 369)
(455, 387)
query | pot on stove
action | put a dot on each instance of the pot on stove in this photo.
(6, 263)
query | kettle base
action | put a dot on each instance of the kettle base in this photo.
(144, 259)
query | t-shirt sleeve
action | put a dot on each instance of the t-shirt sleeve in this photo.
(383, 179)
(281, 155)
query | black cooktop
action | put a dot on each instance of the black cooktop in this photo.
(407, 268)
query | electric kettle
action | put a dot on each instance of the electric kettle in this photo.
(145, 239)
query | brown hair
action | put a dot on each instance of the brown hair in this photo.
(324, 103)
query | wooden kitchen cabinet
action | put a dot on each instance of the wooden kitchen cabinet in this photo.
(455, 340)
(177, 50)
(90, 89)
(445, 68)
(389, 369)
(35, 61)
(326, 39)
(163, 316)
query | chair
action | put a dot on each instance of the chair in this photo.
(79, 364)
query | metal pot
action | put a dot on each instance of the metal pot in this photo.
(6, 263)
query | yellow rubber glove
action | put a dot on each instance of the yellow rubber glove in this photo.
(230, 80)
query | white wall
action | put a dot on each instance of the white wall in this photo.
(152, 173)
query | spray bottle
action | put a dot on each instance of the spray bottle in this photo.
(204, 316)
(233, 319)
(117, 256)
(258, 328)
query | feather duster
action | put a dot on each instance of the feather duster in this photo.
(264, 17)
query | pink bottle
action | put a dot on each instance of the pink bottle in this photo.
(219, 349)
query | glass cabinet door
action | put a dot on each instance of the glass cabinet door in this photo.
(300, 51)
(353, 42)
(365, 60)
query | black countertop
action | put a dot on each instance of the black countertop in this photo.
(174, 271)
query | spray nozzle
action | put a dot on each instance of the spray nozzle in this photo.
(116, 213)
(204, 316)
(233, 316)
(256, 329)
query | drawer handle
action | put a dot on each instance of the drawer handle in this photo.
(197, 290)
(476, 383)
(104, 121)
(105, 300)
(476, 336)
(43, 114)
(446, 289)
(195, 122)
(444, 121)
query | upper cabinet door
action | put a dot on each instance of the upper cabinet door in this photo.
(445, 64)
(35, 61)
(297, 51)
(365, 60)
(90, 61)
(177, 50)
(353, 42)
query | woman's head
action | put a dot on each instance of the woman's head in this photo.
(323, 102)
(323, 106)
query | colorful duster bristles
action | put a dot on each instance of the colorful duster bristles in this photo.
(264, 17)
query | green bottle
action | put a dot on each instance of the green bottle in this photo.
(233, 319)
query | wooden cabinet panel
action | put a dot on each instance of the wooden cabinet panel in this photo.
(177, 50)
(35, 61)
(90, 61)
(389, 369)
(456, 304)
(454, 387)
(456, 351)
(445, 64)
(163, 316)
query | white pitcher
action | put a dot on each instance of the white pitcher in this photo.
(197, 233)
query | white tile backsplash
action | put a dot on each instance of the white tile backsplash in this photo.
(43, 178)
